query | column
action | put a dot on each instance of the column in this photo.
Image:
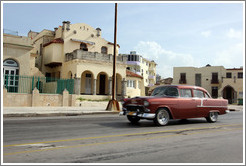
(110, 86)
(65, 98)
(95, 87)
(123, 87)
(35, 98)
(77, 82)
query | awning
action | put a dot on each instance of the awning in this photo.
(83, 41)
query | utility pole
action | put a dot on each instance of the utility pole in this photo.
(113, 103)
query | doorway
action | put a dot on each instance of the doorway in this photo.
(102, 84)
(228, 93)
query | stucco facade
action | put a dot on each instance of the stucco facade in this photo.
(78, 51)
(143, 67)
(218, 81)
(135, 85)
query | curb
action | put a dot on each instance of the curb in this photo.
(56, 114)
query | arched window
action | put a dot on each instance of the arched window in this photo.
(83, 47)
(11, 72)
(104, 50)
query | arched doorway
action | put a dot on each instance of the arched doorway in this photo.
(229, 94)
(11, 75)
(102, 83)
(70, 75)
(87, 78)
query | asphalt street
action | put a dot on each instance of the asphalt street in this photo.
(112, 139)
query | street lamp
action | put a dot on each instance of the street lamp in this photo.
(113, 103)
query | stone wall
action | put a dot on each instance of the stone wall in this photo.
(37, 99)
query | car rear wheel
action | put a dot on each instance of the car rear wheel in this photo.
(162, 117)
(212, 117)
(133, 119)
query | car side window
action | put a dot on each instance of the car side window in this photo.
(172, 91)
(185, 93)
(198, 93)
(206, 95)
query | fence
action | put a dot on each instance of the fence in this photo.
(25, 84)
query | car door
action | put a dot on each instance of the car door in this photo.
(187, 104)
(201, 102)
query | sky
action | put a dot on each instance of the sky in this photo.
(172, 34)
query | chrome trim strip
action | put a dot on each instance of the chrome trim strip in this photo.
(212, 106)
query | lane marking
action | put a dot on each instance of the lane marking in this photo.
(110, 142)
(121, 135)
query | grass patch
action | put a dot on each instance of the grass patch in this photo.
(83, 99)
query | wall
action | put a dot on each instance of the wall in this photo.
(36, 99)
(138, 90)
(206, 76)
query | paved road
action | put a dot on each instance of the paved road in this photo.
(112, 139)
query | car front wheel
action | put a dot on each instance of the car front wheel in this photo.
(212, 117)
(133, 119)
(162, 117)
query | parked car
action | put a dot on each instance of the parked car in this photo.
(174, 102)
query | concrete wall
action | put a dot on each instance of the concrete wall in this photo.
(36, 99)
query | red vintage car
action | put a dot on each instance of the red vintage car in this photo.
(174, 102)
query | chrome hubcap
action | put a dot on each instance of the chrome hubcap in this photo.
(213, 116)
(163, 117)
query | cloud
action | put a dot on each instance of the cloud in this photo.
(234, 34)
(206, 33)
(165, 59)
(234, 54)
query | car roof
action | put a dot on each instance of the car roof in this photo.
(184, 86)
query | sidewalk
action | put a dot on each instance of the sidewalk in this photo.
(67, 111)
(53, 111)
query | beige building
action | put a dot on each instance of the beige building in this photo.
(218, 81)
(135, 85)
(78, 51)
(18, 59)
(143, 67)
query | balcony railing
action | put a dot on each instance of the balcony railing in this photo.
(182, 81)
(94, 56)
(214, 81)
(133, 63)
(151, 77)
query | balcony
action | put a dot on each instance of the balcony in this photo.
(182, 81)
(133, 63)
(151, 77)
(214, 81)
(94, 56)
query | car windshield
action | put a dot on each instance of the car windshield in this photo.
(165, 91)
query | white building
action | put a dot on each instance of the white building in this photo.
(143, 67)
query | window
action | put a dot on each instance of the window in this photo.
(206, 95)
(240, 75)
(83, 47)
(185, 93)
(11, 75)
(214, 78)
(131, 83)
(228, 75)
(104, 50)
(165, 91)
(198, 93)
(182, 79)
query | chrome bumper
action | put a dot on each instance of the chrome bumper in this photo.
(227, 111)
(141, 115)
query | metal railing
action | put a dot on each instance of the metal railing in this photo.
(26, 84)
